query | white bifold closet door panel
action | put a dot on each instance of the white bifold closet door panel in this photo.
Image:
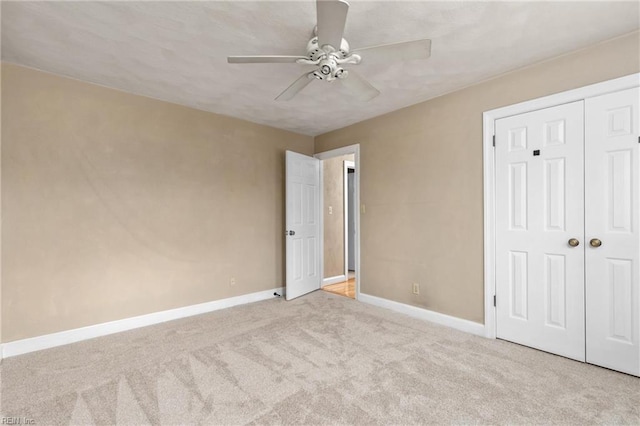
(539, 209)
(612, 212)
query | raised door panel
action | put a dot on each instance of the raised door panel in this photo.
(619, 187)
(518, 196)
(518, 288)
(554, 194)
(555, 290)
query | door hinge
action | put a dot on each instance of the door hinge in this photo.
(494, 300)
(494, 140)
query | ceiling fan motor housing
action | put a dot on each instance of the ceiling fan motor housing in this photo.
(328, 59)
(315, 52)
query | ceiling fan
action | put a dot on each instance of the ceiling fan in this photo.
(328, 51)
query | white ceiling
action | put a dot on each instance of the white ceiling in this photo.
(176, 51)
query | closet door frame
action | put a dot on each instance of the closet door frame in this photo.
(488, 158)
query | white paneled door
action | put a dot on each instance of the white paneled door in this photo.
(540, 229)
(612, 146)
(302, 224)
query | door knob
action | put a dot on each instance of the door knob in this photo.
(289, 232)
(595, 242)
(574, 242)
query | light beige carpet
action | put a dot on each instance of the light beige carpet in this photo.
(320, 359)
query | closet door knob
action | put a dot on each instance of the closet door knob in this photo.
(595, 242)
(574, 242)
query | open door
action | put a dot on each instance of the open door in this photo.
(351, 216)
(303, 224)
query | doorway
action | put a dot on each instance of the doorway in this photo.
(350, 213)
(340, 221)
(307, 209)
(338, 234)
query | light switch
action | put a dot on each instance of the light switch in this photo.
(363, 210)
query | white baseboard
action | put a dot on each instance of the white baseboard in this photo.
(334, 280)
(19, 347)
(425, 314)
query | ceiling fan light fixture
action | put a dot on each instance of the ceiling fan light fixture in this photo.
(341, 73)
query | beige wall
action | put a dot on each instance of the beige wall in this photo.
(421, 180)
(333, 188)
(0, 215)
(116, 205)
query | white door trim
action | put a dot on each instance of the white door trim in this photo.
(345, 167)
(488, 120)
(345, 150)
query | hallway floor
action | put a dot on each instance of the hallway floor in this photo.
(345, 288)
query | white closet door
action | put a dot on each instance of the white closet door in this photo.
(612, 212)
(539, 208)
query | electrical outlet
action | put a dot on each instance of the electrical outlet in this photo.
(330, 209)
(232, 281)
(416, 288)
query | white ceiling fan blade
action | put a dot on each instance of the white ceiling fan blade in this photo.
(360, 87)
(332, 17)
(295, 87)
(418, 49)
(263, 59)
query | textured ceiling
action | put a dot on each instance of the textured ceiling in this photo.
(176, 51)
